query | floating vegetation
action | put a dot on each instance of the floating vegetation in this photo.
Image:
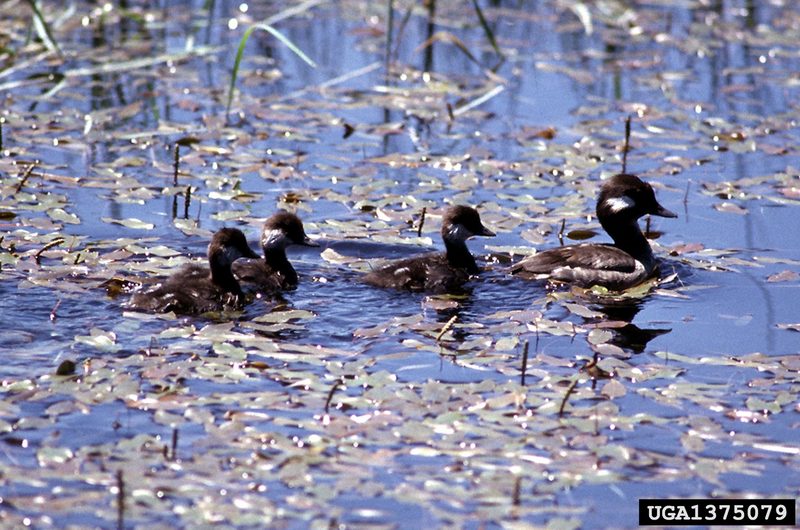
(511, 404)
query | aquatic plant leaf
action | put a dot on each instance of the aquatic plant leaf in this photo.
(599, 336)
(49, 456)
(285, 316)
(759, 405)
(783, 276)
(331, 256)
(730, 207)
(613, 389)
(58, 214)
(583, 311)
(133, 223)
(100, 339)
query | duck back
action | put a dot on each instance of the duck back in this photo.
(190, 291)
(428, 272)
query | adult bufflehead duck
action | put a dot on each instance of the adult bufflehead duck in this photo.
(274, 273)
(629, 261)
(437, 272)
(195, 289)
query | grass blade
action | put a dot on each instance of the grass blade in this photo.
(289, 44)
(240, 52)
(487, 29)
(42, 29)
(479, 101)
(446, 36)
(584, 15)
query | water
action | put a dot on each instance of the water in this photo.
(354, 413)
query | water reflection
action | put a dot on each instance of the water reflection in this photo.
(630, 336)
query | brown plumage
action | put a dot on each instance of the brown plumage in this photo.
(274, 273)
(437, 272)
(627, 262)
(198, 289)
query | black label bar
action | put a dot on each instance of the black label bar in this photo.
(683, 512)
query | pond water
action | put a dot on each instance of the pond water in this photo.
(341, 404)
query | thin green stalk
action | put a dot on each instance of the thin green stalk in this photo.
(487, 29)
(42, 28)
(240, 52)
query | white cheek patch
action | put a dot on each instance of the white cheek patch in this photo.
(459, 232)
(275, 239)
(617, 204)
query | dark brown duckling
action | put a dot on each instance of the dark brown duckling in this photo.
(274, 273)
(197, 289)
(439, 272)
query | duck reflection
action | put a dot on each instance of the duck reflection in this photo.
(629, 336)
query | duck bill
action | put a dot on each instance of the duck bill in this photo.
(485, 232)
(308, 242)
(663, 212)
(247, 252)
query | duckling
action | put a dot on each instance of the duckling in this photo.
(437, 272)
(196, 289)
(274, 273)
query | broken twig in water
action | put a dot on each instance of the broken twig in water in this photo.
(332, 391)
(174, 447)
(421, 221)
(446, 327)
(120, 501)
(25, 176)
(626, 146)
(38, 256)
(187, 200)
(570, 389)
(176, 163)
(524, 364)
(53, 311)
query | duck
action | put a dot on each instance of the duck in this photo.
(196, 289)
(628, 262)
(438, 272)
(274, 273)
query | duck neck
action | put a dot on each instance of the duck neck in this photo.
(629, 238)
(222, 276)
(458, 256)
(275, 257)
